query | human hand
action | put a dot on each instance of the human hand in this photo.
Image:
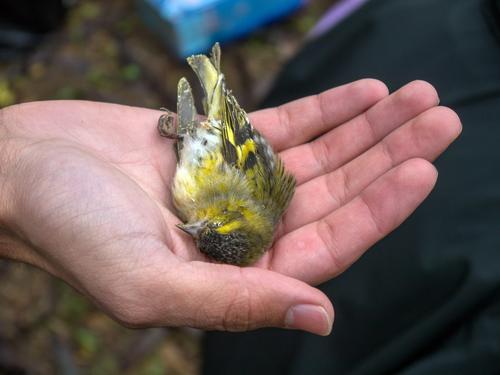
(85, 195)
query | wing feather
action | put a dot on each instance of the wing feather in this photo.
(242, 146)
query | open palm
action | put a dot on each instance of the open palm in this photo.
(86, 197)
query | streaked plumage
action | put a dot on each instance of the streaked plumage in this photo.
(230, 188)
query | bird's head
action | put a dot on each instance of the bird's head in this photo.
(231, 237)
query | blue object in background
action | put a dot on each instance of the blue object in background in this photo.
(193, 26)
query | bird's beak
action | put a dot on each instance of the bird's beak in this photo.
(193, 229)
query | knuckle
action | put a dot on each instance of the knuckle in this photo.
(322, 154)
(285, 120)
(342, 194)
(322, 109)
(328, 234)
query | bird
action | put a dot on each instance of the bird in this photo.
(230, 188)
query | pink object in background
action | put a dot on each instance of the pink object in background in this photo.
(335, 15)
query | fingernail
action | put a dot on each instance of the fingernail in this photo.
(310, 318)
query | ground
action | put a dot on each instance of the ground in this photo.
(103, 52)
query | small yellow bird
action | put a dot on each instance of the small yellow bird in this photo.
(230, 188)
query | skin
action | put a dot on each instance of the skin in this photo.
(84, 194)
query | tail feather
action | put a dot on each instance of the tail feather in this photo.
(216, 56)
(211, 79)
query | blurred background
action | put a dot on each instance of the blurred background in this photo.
(442, 291)
(126, 52)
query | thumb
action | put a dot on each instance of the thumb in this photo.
(223, 297)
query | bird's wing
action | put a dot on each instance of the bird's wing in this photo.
(242, 146)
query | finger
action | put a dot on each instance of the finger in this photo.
(425, 136)
(301, 120)
(320, 250)
(222, 297)
(348, 141)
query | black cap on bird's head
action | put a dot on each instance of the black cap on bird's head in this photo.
(237, 247)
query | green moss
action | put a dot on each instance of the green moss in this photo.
(7, 96)
(67, 92)
(87, 342)
(89, 10)
(131, 72)
(71, 306)
(153, 366)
